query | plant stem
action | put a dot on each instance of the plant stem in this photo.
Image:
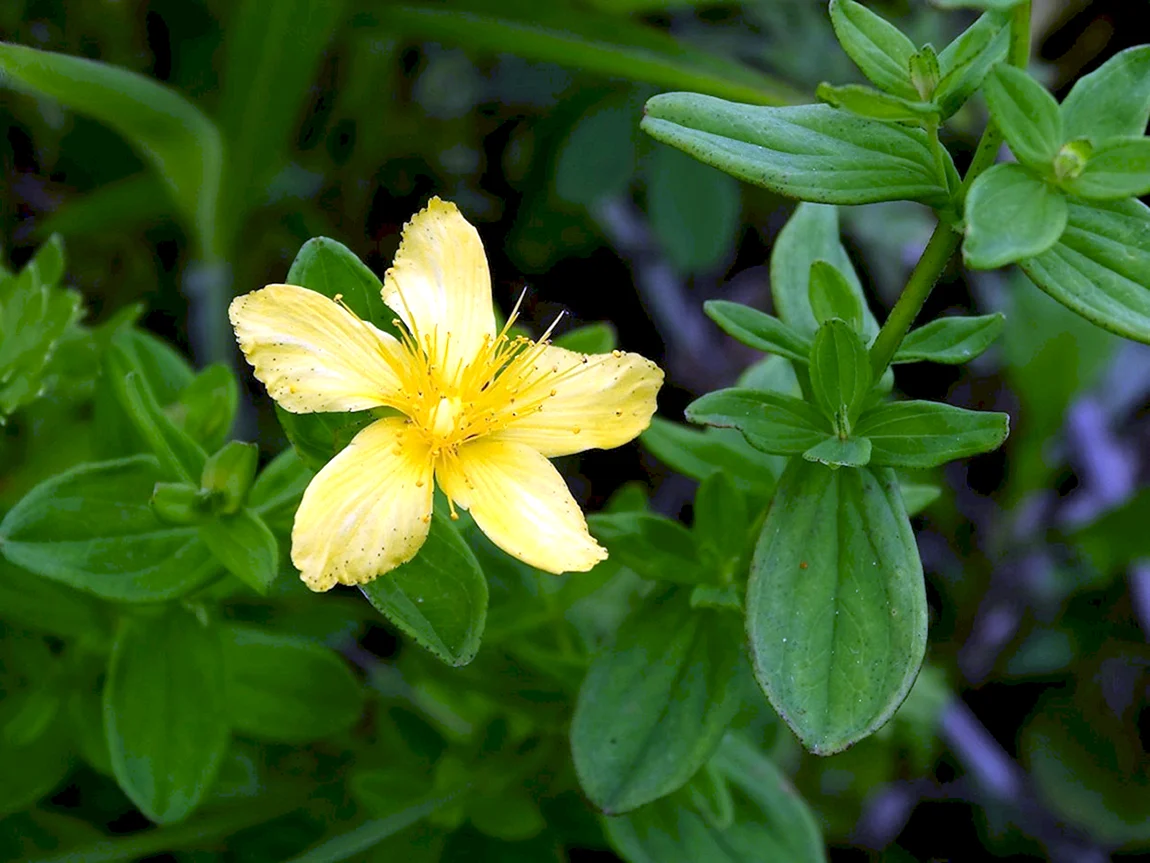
(944, 241)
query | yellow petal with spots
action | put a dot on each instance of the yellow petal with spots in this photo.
(522, 503)
(364, 513)
(440, 287)
(599, 401)
(314, 355)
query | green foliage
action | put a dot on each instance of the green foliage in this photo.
(1011, 216)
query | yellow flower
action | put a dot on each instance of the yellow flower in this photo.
(481, 412)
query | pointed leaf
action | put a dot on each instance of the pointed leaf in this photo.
(654, 546)
(770, 422)
(832, 296)
(841, 375)
(758, 330)
(877, 47)
(698, 453)
(245, 547)
(1011, 215)
(1027, 115)
(921, 434)
(839, 452)
(1111, 101)
(965, 62)
(1118, 168)
(950, 341)
(876, 105)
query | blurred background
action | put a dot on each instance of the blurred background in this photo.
(341, 119)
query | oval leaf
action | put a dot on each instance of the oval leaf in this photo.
(758, 330)
(770, 422)
(950, 341)
(1011, 215)
(1112, 100)
(921, 434)
(1027, 115)
(878, 48)
(245, 547)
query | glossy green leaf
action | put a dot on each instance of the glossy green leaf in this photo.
(182, 144)
(332, 269)
(654, 546)
(697, 453)
(809, 152)
(758, 330)
(1100, 267)
(965, 62)
(841, 375)
(810, 235)
(286, 688)
(875, 104)
(1011, 215)
(770, 422)
(877, 47)
(1026, 114)
(841, 452)
(836, 608)
(832, 296)
(951, 341)
(439, 597)
(921, 434)
(653, 709)
(165, 712)
(92, 527)
(1118, 168)
(1112, 101)
(694, 210)
(245, 546)
(590, 42)
(597, 338)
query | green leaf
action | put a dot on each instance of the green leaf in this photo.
(206, 408)
(1118, 168)
(228, 475)
(276, 494)
(924, 71)
(332, 269)
(597, 338)
(1011, 215)
(598, 158)
(439, 597)
(165, 712)
(1112, 101)
(877, 47)
(286, 688)
(182, 144)
(918, 496)
(694, 211)
(721, 518)
(245, 547)
(1027, 115)
(965, 62)
(271, 54)
(349, 845)
(758, 330)
(951, 341)
(832, 296)
(876, 105)
(923, 434)
(655, 547)
(697, 453)
(841, 375)
(653, 708)
(771, 422)
(836, 608)
(37, 603)
(121, 207)
(318, 438)
(1001, 5)
(841, 452)
(571, 36)
(1100, 267)
(180, 504)
(809, 152)
(811, 234)
(32, 769)
(92, 527)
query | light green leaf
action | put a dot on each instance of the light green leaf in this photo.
(653, 708)
(439, 597)
(836, 608)
(1027, 115)
(841, 375)
(832, 296)
(951, 341)
(841, 452)
(228, 475)
(285, 688)
(921, 434)
(877, 47)
(168, 130)
(92, 528)
(698, 453)
(965, 62)
(165, 712)
(758, 330)
(771, 422)
(1118, 168)
(1112, 101)
(654, 546)
(1011, 215)
(918, 496)
(809, 152)
(876, 105)
(245, 547)
(1100, 268)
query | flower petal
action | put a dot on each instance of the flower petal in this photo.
(522, 503)
(600, 401)
(364, 513)
(314, 355)
(440, 287)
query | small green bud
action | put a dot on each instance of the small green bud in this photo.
(1072, 159)
(228, 475)
(179, 503)
(925, 72)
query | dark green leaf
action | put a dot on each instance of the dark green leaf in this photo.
(207, 406)
(809, 152)
(244, 546)
(286, 688)
(228, 475)
(758, 329)
(653, 708)
(1100, 268)
(841, 375)
(317, 438)
(694, 211)
(598, 158)
(92, 528)
(277, 490)
(32, 601)
(1027, 115)
(965, 62)
(841, 452)
(165, 712)
(1118, 168)
(1011, 215)
(951, 341)
(347, 846)
(923, 434)
(878, 48)
(721, 518)
(653, 546)
(439, 597)
(1112, 100)
(332, 269)
(832, 296)
(698, 453)
(597, 338)
(836, 608)
(180, 504)
(31, 768)
(120, 207)
(770, 422)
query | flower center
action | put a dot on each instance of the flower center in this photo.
(445, 419)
